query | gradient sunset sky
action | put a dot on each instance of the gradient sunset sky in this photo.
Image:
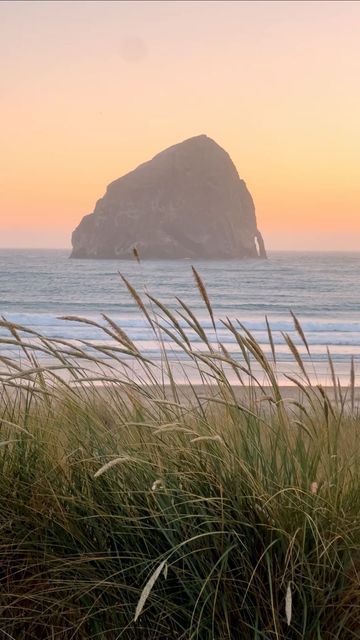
(89, 90)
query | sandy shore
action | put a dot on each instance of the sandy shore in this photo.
(189, 395)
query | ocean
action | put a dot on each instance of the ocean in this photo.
(37, 287)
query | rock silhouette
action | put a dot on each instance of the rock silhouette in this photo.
(187, 202)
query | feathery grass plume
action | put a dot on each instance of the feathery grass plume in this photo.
(167, 428)
(271, 341)
(299, 330)
(171, 318)
(216, 438)
(134, 294)
(165, 570)
(157, 484)
(239, 339)
(18, 327)
(288, 604)
(15, 426)
(303, 426)
(112, 463)
(148, 588)
(12, 328)
(200, 285)
(333, 377)
(251, 380)
(120, 333)
(297, 356)
(314, 487)
(117, 333)
(255, 349)
(192, 321)
(37, 371)
(136, 254)
(5, 443)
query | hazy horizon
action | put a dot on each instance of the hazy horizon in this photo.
(90, 90)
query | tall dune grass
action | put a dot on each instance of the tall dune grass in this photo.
(134, 508)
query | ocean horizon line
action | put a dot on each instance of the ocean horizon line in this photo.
(296, 251)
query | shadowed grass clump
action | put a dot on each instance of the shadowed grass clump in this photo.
(140, 509)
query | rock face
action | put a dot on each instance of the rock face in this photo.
(187, 202)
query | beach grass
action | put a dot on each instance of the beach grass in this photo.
(135, 507)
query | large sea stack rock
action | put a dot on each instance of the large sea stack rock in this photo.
(187, 202)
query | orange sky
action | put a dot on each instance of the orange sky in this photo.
(89, 90)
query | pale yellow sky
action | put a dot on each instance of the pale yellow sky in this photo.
(91, 89)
